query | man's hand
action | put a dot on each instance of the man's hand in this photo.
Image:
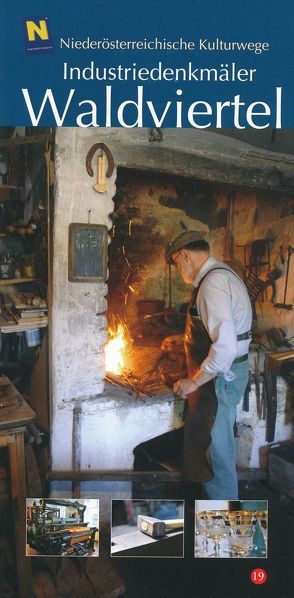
(185, 387)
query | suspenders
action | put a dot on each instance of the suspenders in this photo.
(193, 308)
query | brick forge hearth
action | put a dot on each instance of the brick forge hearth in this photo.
(158, 193)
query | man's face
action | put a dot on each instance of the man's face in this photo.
(186, 266)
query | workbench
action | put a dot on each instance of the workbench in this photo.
(273, 363)
(127, 540)
(12, 428)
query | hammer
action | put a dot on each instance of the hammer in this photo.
(157, 528)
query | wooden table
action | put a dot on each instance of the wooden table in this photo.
(12, 427)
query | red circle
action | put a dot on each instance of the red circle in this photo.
(258, 576)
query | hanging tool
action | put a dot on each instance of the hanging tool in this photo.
(245, 404)
(256, 285)
(105, 152)
(256, 375)
(285, 305)
(271, 398)
(100, 186)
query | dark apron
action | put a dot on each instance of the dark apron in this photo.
(201, 405)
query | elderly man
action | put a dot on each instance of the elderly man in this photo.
(217, 338)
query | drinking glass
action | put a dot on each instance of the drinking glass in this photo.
(200, 530)
(239, 517)
(241, 539)
(241, 527)
(216, 528)
(263, 522)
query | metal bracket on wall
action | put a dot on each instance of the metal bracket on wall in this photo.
(155, 134)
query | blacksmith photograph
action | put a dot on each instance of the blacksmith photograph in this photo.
(146, 330)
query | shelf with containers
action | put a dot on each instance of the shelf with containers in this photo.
(23, 247)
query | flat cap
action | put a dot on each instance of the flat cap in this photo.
(182, 240)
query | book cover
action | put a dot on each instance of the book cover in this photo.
(146, 149)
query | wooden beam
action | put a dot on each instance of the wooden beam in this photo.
(116, 475)
(123, 475)
(25, 140)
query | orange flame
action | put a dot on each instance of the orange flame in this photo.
(117, 349)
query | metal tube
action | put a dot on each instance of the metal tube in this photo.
(169, 286)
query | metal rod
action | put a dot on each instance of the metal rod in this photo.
(231, 224)
(76, 448)
(290, 251)
(129, 474)
(127, 384)
(49, 140)
(169, 286)
(113, 475)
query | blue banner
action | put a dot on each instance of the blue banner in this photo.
(194, 64)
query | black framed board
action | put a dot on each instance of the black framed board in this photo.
(88, 244)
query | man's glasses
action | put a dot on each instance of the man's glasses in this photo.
(175, 257)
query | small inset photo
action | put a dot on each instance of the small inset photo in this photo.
(231, 529)
(62, 527)
(147, 528)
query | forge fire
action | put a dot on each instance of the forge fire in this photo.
(117, 349)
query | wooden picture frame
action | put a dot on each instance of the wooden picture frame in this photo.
(87, 252)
